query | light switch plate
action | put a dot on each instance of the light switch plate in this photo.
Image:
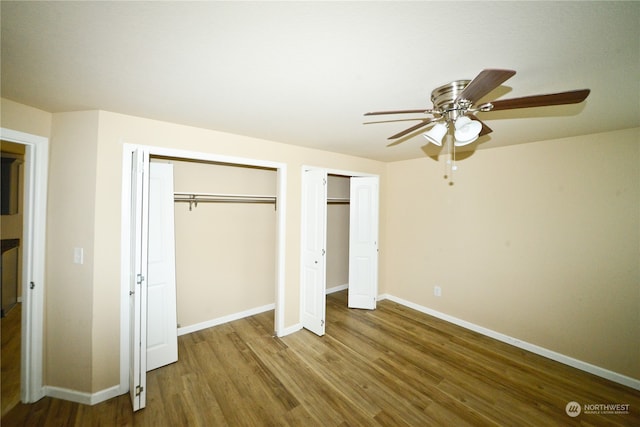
(78, 256)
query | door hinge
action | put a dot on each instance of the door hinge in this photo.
(139, 279)
(32, 285)
(321, 322)
(139, 390)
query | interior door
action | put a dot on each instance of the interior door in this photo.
(363, 242)
(314, 224)
(162, 327)
(138, 273)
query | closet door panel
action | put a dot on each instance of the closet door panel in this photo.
(314, 224)
(162, 332)
(363, 243)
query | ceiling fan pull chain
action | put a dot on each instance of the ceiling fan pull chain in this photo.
(453, 161)
(447, 161)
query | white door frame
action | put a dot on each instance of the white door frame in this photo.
(34, 244)
(138, 257)
(281, 198)
(328, 171)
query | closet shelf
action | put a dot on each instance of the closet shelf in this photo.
(194, 198)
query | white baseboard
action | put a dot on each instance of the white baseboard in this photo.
(291, 329)
(82, 397)
(225, 319)
(550, 354)
(337, 289)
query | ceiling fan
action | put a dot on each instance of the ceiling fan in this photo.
(454, 106)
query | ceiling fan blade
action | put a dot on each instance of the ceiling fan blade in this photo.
(378, 113)
(484, 83)
(561, 98)
(412, 128)
(392, 121)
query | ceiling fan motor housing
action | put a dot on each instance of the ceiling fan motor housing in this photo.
(443, 99)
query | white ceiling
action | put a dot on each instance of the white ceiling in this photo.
(304, 73)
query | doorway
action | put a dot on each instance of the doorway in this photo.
(338, 199)
(12, 208)
(30, 289)
(133, 334)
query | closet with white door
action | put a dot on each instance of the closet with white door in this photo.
(225, 241)
(337, 232)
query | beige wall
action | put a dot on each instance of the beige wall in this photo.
(538, 241)
(70, 224)
(23, 118)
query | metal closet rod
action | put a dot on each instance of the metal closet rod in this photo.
(338, 200)
(194, 198)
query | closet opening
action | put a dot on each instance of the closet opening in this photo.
(338, 198)
(225, 239)
(220, 221)
(339, 242)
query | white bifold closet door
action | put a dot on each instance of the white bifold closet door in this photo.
(152, 290)
(138, 271)
(162, 324)
(363, 246)
(314, 220)
(363, 242)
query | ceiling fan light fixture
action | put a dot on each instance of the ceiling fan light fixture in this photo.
(436, 133)
(467, 131)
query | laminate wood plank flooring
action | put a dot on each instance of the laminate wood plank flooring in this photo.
(10, 358)
(389, 367)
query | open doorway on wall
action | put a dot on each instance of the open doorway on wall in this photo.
(24, 200)
(337, 232)
(225, 236)
(12, 194)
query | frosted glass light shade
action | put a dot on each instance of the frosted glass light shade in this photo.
(467, 131)
(436, 133)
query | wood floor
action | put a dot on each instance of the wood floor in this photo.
(10, 358)
(389, 367)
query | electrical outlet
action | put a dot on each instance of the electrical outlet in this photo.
(437, 291)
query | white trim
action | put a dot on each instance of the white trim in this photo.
(125, 248)
(224, 319)
(290, 330)
(541, 351)
(125, 240)
(82, 397)
(281, 230)
(33, 270)
(337, 288)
